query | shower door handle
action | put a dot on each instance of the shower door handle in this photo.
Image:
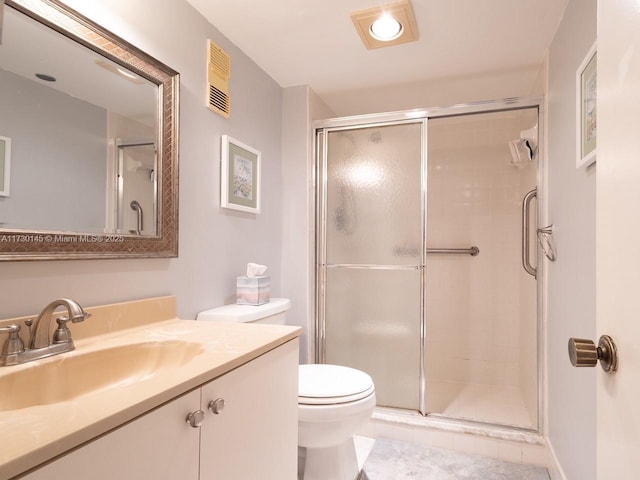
(526, 242)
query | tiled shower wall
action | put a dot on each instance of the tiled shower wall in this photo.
(480, 310)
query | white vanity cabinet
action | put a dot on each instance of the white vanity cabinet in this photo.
(158, 445)
(253, 436)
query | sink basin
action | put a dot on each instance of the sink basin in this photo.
(71, 375)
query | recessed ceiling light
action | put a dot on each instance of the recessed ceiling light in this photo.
(124, 73)
(386, 25)
(385, 28)
(121, 72)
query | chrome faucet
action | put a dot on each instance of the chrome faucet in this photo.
(41, 344)
(42, 325)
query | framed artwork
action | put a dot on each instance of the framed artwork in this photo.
(586, 119)
(5, 166)
(240, 176)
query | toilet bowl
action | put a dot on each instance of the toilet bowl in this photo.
(333, 401)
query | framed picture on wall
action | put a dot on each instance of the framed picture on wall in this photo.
(586, 119)
(5, 165)
(240, 176)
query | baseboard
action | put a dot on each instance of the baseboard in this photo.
(553, 465)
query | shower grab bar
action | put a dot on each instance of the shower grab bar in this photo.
(473, 251)
(526, 212)
(135, 206)
(372, 267)
(414, 252)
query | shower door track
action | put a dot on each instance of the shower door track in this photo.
(320, 129)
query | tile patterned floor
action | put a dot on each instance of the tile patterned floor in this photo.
(396, 460)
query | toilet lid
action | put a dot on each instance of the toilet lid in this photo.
(328, 384)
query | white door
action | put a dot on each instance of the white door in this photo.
(618, 236)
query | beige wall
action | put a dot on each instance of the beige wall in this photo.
(515, 82)
(571, 279)
(301, 106)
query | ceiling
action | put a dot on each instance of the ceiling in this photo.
(313, 42)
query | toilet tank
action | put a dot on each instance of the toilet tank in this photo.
(272, 313)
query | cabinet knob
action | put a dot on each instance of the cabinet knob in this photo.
(584, 353)
(195, 419)
(217, 405)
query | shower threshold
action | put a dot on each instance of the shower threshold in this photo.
(482, 402)
(412, 419)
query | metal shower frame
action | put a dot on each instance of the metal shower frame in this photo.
(323, 127)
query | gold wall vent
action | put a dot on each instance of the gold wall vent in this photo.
(218, 74)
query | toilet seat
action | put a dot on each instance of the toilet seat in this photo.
(323, 384)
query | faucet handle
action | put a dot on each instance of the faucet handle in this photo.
(62, 334)
(13, 344)
(13, 328)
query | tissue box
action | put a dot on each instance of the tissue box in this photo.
(253, 290)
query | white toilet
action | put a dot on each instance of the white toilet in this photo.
(333, 401)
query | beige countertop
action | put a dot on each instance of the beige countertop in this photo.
(198, 352)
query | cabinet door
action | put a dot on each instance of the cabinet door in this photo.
(256, 434)
(159, 445)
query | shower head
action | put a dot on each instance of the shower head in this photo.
(522, 151)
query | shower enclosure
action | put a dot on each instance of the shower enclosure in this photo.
(136, 187)
(419, 248)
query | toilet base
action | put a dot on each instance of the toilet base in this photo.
(332, 463)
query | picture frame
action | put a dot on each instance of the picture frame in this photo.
(5, 166)
(586, 118)
(239, 176)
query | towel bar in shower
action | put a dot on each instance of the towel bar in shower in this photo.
(473, 251)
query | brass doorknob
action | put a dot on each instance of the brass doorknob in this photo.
(584, 353)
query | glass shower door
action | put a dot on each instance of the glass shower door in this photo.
(371, 256)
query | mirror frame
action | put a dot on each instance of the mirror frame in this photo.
(50, 245)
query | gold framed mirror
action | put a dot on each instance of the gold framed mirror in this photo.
(92, 127)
